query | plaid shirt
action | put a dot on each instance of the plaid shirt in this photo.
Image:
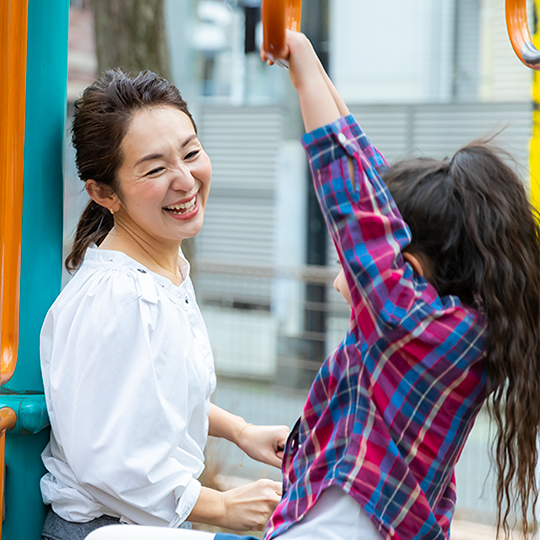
(389, 412)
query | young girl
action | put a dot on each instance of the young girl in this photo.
(441, 267)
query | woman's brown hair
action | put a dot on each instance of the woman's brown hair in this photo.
(100, 123)
(472, 218)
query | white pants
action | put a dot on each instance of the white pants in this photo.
(137, 532)
(335, 516)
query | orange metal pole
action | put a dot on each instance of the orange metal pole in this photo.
(8, 419)
(277, 17)
(519, 33)
(13, 35)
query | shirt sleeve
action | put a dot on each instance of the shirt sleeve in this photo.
(365, 225)
(118, 407)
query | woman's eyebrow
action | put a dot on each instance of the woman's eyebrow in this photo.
(188, 140)
(149, 157)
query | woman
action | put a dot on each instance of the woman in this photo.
(127, 366)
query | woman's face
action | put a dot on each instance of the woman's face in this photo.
(165, 176)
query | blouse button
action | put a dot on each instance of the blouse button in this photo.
(342, 138)
(187, 301)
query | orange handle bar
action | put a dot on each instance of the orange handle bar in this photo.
(277, 17)
(520, 36)
(13, 32)
(8, 419)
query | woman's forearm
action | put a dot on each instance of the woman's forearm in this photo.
(262, 443)
(246, 508)
(224, 424)
(209, 508)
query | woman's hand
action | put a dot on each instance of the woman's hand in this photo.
(264, 443)
(248, 508)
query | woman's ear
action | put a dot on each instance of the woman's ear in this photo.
(414, 261)
(101, 194)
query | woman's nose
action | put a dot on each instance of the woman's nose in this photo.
(183, 179)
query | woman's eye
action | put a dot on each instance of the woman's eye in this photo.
(154, 171)
(191, 155)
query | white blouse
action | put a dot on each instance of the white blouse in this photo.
(128, 374)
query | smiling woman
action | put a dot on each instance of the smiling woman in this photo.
(112, 142)
(127, 366)
(162, 189)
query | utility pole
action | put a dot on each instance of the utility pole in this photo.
(315, 24)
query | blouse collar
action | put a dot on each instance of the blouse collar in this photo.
(105, 257)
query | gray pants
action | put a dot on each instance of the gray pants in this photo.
(56, 528)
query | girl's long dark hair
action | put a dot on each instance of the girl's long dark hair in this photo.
(100, 122)
(472, 218)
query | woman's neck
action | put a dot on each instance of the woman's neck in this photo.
(159, 257)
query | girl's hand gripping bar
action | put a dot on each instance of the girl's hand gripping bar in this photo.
(278, 16)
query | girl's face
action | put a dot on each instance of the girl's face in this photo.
(340, 284)
(165, 176)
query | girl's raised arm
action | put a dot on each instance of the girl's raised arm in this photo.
(361, 215)
(320, 101)
(338, 100)
(317, 101)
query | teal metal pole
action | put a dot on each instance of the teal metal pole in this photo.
(46, 82)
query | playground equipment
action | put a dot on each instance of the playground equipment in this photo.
(526, 49)
(12, 92)
(33, 64)
(277, 17)
(33, 67)
(520, 35)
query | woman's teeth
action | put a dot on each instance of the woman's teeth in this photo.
(183, 208)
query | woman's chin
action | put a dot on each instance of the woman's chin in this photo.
(192, 230)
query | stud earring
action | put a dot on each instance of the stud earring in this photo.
(111, 211)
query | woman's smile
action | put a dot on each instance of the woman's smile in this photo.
(183, 210)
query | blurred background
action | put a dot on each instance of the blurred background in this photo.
(423, 77)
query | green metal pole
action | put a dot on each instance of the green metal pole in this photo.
(46, 78)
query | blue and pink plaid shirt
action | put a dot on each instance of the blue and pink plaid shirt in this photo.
(389, 412)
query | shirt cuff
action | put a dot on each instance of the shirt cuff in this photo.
(185, 503)
(333, 142)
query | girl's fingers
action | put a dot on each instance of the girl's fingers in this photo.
(266, 58)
